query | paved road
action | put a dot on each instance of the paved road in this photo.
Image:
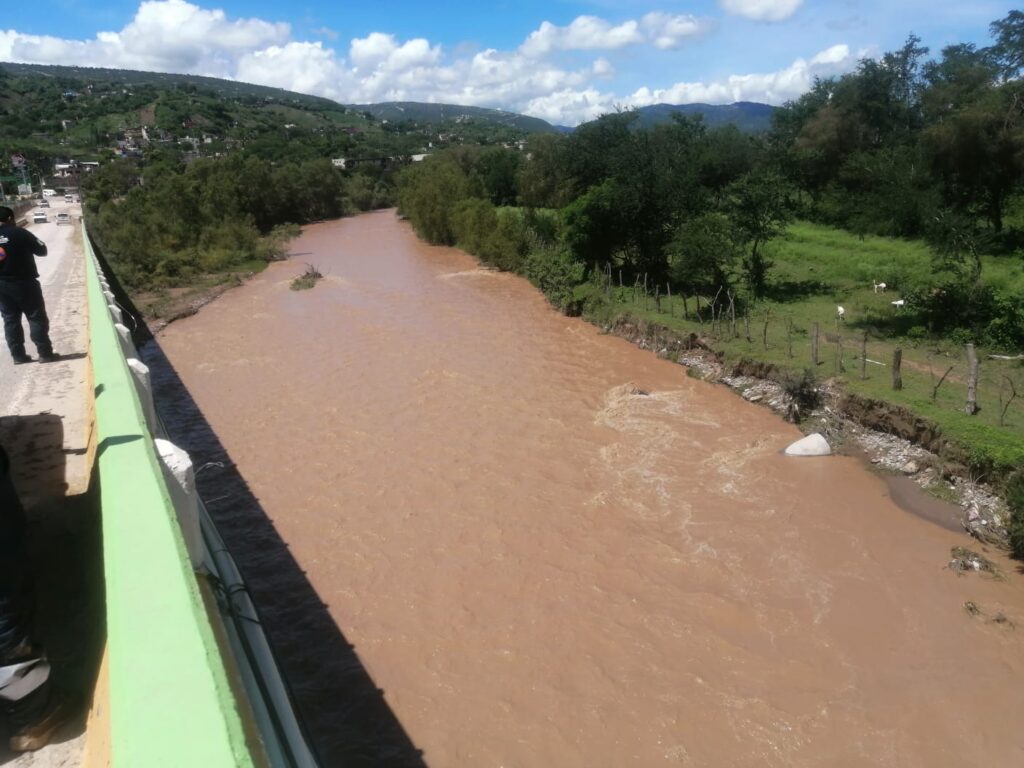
(29, 393)
(44, 426)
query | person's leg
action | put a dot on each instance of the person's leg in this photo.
(28, 699)
(38, 322)
(10, 309)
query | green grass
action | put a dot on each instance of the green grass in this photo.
(816, 269)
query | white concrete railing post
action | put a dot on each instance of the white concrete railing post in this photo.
(125, 337)
(144, 388)
(181, 485)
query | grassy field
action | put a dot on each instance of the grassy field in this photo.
(819, 268)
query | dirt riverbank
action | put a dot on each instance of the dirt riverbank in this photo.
(892, 439)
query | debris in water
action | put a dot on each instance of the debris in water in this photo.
(1002, 619)
(972, 608)
(965, 559)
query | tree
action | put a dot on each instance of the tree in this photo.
(1008, 51)
(543, 180)
(760, 208)
(703, 253)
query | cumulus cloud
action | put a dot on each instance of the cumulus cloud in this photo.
(667, 31)
(585, 33)
(771, 87)
(382, 51)
(164, 35)
(590, 33)
(761, 10)
(177, 36)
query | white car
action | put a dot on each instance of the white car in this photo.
(63, 218)
(39, 217)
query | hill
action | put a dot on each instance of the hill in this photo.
(51, 112)
(424, 113)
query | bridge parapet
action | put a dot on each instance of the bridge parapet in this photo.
(171, 699)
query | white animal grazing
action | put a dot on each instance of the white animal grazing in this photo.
(879, 287)
(898, 303)
(841, 313)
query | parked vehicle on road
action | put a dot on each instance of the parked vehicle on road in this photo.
(49, 192)
(63, 218)
(39, 217)
(44, 203)
(69, 198)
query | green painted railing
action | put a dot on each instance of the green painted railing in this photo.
(170, 700)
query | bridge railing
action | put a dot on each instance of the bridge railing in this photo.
(173, 692)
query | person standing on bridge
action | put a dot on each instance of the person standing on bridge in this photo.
(20, 292)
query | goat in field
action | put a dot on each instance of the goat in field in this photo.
(899, 303)
(841, 313)
(879, 287)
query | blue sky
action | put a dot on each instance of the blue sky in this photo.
(560, 60)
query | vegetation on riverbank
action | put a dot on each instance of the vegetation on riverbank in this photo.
(884, 207)
(176, 225)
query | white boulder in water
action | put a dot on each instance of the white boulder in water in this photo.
(812, 445)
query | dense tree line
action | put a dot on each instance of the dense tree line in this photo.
(171, 222)
(905, 146)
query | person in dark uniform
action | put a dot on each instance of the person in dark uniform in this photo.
(28, 700)
(20, 292)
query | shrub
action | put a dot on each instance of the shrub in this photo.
(802, 390)
(307, 279)
(556, 273)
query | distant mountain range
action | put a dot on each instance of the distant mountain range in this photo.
(748, 116)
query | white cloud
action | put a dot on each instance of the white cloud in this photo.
(381, 51)
(176, 36)
(666, 31)
(761, 10)
(771, 87)
(165, 35)
(585, 33)
(302, 67)
(590, 33)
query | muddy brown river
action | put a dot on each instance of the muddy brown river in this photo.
(549, 548)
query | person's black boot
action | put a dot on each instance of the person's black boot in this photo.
(19, 356)
(48, 357)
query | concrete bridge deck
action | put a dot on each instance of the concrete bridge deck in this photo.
(45, 424)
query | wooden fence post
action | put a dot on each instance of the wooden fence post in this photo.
(864, 356)
(897, 360)
(814, 345)
(972, 381)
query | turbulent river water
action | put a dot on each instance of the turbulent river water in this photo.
(549, 548)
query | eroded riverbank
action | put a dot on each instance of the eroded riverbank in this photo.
(540, 564)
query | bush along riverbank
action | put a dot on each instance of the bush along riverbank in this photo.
(890, 437)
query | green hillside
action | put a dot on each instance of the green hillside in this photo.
(422, 113)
